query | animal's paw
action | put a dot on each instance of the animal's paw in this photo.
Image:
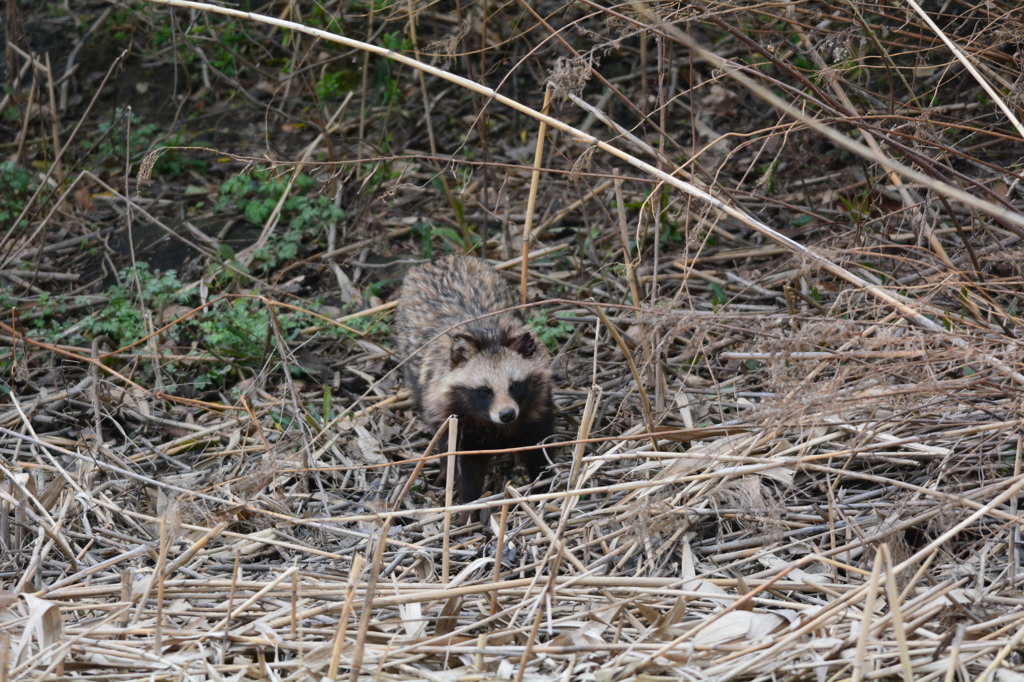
(519, 476)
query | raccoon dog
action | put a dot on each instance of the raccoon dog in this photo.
(491, 372)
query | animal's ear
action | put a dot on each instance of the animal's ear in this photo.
(523, 344)
(464, 346)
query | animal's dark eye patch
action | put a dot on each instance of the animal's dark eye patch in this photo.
(484, 391)
(518, 390)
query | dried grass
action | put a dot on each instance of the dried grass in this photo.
(781, 455)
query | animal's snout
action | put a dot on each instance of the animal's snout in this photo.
(508, 415)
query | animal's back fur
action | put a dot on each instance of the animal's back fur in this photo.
(466, 353)
(441, 294)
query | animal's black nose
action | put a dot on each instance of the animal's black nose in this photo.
(507, 416)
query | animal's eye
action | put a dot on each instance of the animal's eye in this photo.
(515, 387)
(485, 391)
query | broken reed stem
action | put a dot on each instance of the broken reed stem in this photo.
(364, 101)
(838, 354)
(357, 564)
(161, 564)
(534, 629)
(895, 610)
(531, 202)
(634, 284)
(188, 554)
(371, 589)
(346, 609)
(19, 155)
(5, 654)
(127, 579)
(449, 490)
(1012, 555)
(865, 623)
(499, 551)
(555, 551)
(54, 122)
(586, 423)
(295, 598)
(954, 654)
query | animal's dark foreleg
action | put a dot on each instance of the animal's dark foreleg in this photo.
(470, 472)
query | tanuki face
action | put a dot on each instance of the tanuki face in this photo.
(491, 382)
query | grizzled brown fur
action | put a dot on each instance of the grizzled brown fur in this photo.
(488, 369)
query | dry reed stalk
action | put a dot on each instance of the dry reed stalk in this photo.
(467, 239)
(159, 573)
(868, 614)
(634, 284)
(54, 122)
(586, 423)
(531, 202)
(969, 65)
(499, 550)
(346, 610)
(364, 618)
(896, 614)
(449, 492)
(1014, 532)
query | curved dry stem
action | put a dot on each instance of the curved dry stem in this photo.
(889, 298)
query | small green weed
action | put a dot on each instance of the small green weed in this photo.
(122, 318)
(241, 328)
(172, 164)
(111, 137)
(549, 330)
(451, 238)
(256, 195)
(858, 206)
(15, 187)
(334, 83)
(387, 86)
(718, 297)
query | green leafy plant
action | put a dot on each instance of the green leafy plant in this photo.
(801, 220)
(858, 207)
(371, 325)
(239, 328)
(172, 164)
(256, 196)
(334, 83)
(47, 318)
(112, 136)
(122, 317)
(718, 297)
(451, 238)
(549, 330)
(15, 187)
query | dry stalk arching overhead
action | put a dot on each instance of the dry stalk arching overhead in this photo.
(899, 303)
